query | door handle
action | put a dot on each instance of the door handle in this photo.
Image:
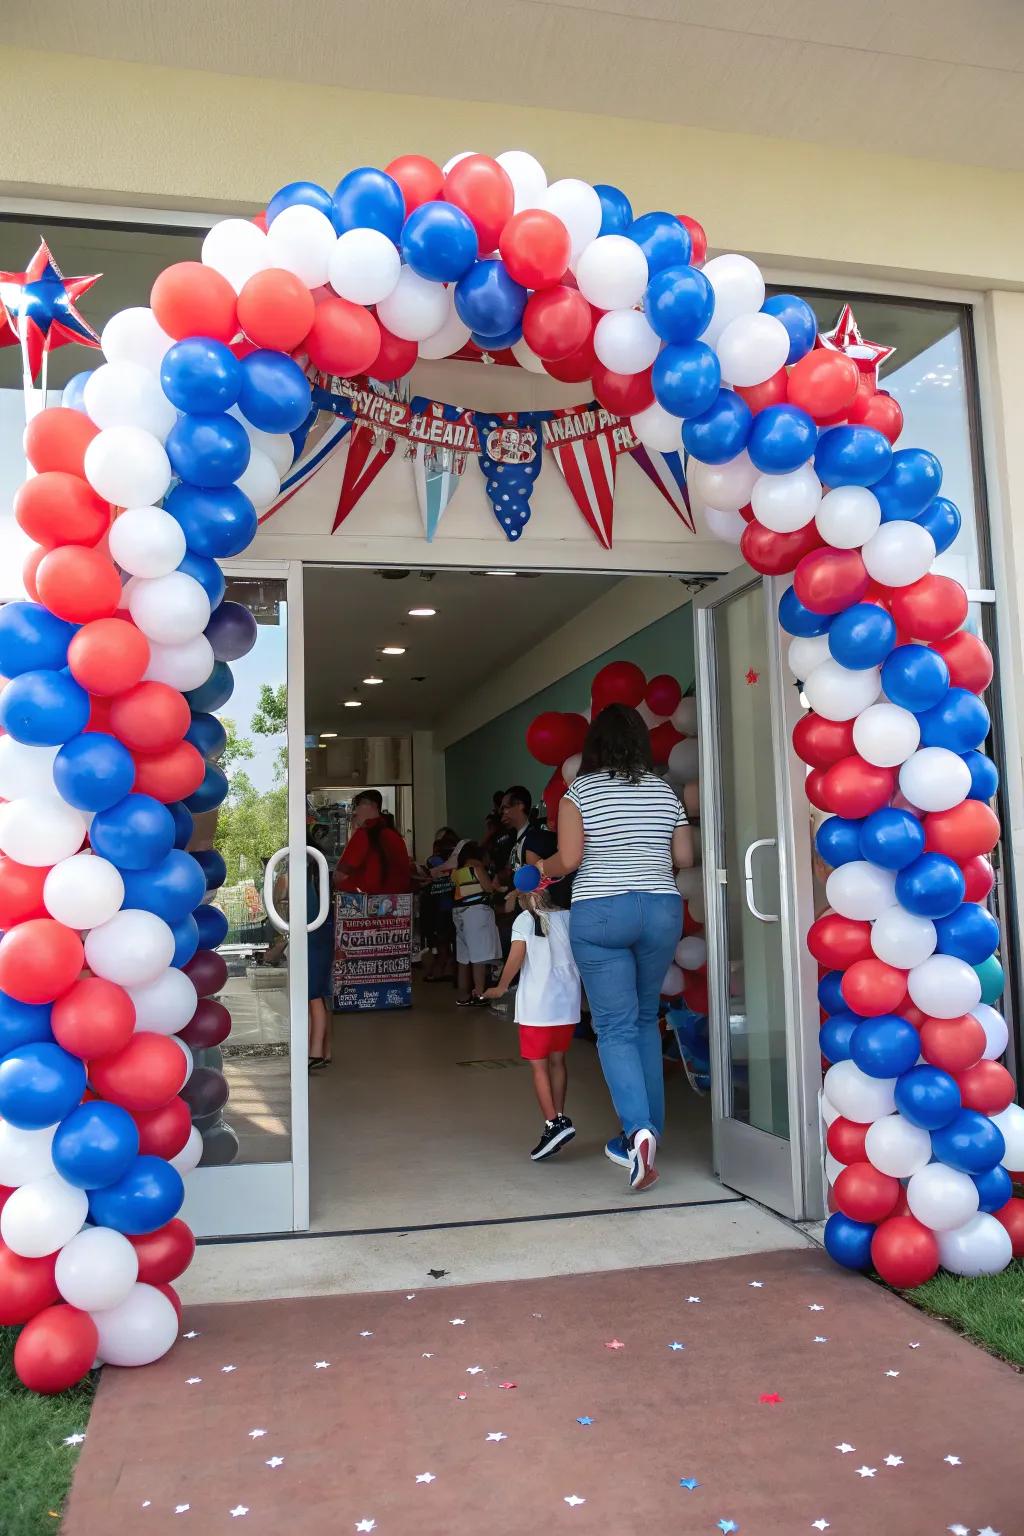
(323, 883)
(748, 878)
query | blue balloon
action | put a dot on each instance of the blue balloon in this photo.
(798, 620)
(488, 300)
(275, 394)
(799, 319)
(686, 378)
(959, 721)
(73, 393)
(862, 635)
(781, 439)
(497, 343)
(134, 834)
(848, 1242)
(679, 303)
(927, 1097)
(211, 451)
(232, 631)
(994, 1188)
(306, 194)
(891, 837)
(211, 926)
(852, 455)
(942, 520)
(43, 709)
(835, 1035)
(214, 693)
(970, 1142)
(207, 572)
(22, 1023)
(720, 432)
(369, 199)
(211, 862)
(95, 1145)
(885, 1046)
(971, 933)
(908, 485)
(439, 242)
(915, 677)
(526, 877)
(146, 1196)
(838, 840)
(616, 209)
(32, 639)
(200, 375)
(170, 889)
(216, 523)
(984, 776)
(207, 735)
(186, 940)
(40, 1083)
(932, 886)
(212, 791)
(184, 826)
(664, 241)
(93, 771)
(830, 992)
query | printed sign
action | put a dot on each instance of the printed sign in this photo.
(372, 952)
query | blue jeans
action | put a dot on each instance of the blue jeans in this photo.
(623, 945)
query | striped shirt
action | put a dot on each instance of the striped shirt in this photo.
(627, 834)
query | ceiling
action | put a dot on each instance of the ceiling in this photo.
(937, 79)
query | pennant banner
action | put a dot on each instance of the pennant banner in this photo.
(510, 459)
(585, 443)
(665, 472)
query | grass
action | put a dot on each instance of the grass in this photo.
(35, 1464)
(989, 1310)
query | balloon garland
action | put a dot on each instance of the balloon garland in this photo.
(155, 467)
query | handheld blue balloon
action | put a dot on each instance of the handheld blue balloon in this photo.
(526, 878)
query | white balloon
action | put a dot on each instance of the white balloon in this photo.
(40, 829)
(134, 336)
(942, 1198)
(684, 716)
(83, 891)
(857, 1096)
(579, 208)
(364, 265)
(24, 1155)
(729, 486)
(259, 480)
(191, 1152)
(886, 735)
(463, 154)
(828, 1110)
(684, 760)
(935, 779)
(147, 541)
(528, 177)
(238, 249)
(96, 1269)
(997, 1035)
(833, 1168)
(132, 948)
(689, 882)
(139, 1330)
(612, 273)
(672, 986)
(571, 767)
(903, 939)
(24, 770)
(277, 446)
(128, 395)
(751, 348)
(899, 553)
(806, 652)
(1010, 1122)
(787, 502)
(848, 516)
(982, 1246)
(738, 288)
(180, 666)
(657, 428)
(454, 334)
(861, 890)
(42, 1216)
(186, 1051)
(725, 525)
(527, 358)
(691, 952)
(624, 342)
(944, 987)
(896, 1147)
(127, 466)
(415, 308)
(647, 715)
(840, 693)
(171, 609)
(165, 1005)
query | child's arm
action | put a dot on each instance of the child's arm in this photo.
(490, 886)
(513, 965)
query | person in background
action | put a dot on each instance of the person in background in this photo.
(623, 830)
(533, 842)
(375, 859)
(436, 905)
(476, 933)
(498, 837)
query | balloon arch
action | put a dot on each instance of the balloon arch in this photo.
(156, 468)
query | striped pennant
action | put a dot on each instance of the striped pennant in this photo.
(665, 472)
(368, 452)
(437, 473)
(588, 467)
(323, 437)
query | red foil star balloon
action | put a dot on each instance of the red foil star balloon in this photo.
(845, 336)
(38, 309)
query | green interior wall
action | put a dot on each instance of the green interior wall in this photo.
(495, 755)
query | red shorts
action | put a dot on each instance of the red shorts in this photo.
(537, 1041)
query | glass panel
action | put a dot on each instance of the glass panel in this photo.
(757, 1014)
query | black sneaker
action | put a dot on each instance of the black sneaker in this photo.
(556, 1133)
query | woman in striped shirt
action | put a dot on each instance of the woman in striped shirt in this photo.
(624, 832)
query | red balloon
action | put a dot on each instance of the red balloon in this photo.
(39, 960)
(856, 788)
(535, 247)
(99, 714)
(904, 1252)
(21, 892)
(930, 609)
(698, 239)
(870, 987)
(845, 1140)
(78, 584)
(776, 554)
(484, 191)
(823, 383)
(967, 831)
(173, 774)
(820, 742)
(164, 1254)
(548, 739)
(829, 580)
(695, 990)
(986, 1086)
(108, 655)
(163, 1132)
(172, 1297)
(144, 1074)
(556, 322)
(953, 1044)
(1011, 1215)
(209, 1025)
(150, 717)
(878, 409)
(553, 792)
(396, 357)
(26, 1286)
(979, 879)
(56, 508)
(208, 971)
(29, 570)
(189, 299)
(57, 439)
(771, 392)
(276, 309)
(663, 738)
(343, 339)
(663, 694)
(93, 1018)
(576, 728)
(969, 660)
(816, 790)
(575, 368)
(837, 942)
(624, 394)
(909, 1011)
(55, 1349)
(864, 1194)
(420, 179)
(619, 682)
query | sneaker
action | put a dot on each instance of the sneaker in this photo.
(617, 1151)
(642, 1172)
(555, 1135)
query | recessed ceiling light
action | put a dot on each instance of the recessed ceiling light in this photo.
(422, 613)
(328, 735)
(372, 681)
(321, 746)
(392, 650)
(353, 703)
(501, 573)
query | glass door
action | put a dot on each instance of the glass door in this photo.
(254, 1172)
(755, 829)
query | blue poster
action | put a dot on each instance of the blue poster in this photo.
(372, 952)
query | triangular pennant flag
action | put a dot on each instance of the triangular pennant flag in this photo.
(588, 465)
(368, 452)
(510, 459)
(665, 471)
(438, 475)
(322, 439)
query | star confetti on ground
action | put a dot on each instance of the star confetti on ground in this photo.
(845, 1447)
(689, 1483)
(756, 1285)
(820, 1525)
(918, 1346)
(437, 1274)
(496, 1434)
(366, 1525)
(572, 1499)
(463, 1396)
(954, 1461)
(986, 1530)
(693, 1298)
(239, 1510)
(366, 1334)
(275, 1461)
(894, 1461)
(958, 1530)
(427, 1355)
(182, 1509)
(256, 1434)
(675, 1345)
(507, 1386)
(752, 677)
(411, 1296)
(770, 1397)
(815, 1306)
(425, 1477)
(457, 1322)
(725, 1524)
(321, 1365)
(892, 1373)
(75, 1439)
(227, 1369)
(866, 1471)
(192, 1334)
(819, 1338)
(586, 1421)
(193, 1381)
(614, 1344)
(474, 1370)
(146, 1503)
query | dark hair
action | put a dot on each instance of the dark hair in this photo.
(373, 795)
(618, 742)
(497, 797)
(470, 851)
(520, 795)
